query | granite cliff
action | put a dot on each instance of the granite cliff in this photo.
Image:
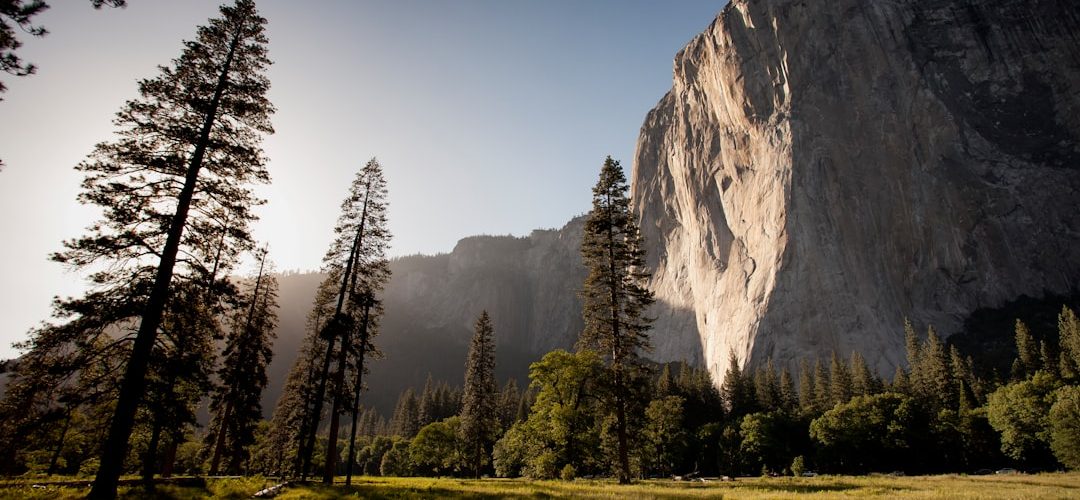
(821, 170)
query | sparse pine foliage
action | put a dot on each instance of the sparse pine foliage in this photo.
(235, 404)
(356, 261)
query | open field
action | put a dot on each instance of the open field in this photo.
(1036, 486)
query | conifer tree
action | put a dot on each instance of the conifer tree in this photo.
(509, 398)
(1027, 351)
(914, 354)
(1069, 344)
(789, 396)
(357, 259)
(863, 381)
(806, 388)
(841, 386)
(935, 378)
(614, 296)
(665, 383)
(478, 406)
(767, 387)
(428, 404)
(186, 148)
(287, 422)
(822, 388)
(406, 417)
(737, 390)
(235, 404)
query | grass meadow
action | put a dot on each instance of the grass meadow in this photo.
(1018, 486)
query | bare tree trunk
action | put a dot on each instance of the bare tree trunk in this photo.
(55, 460)
(356, 391)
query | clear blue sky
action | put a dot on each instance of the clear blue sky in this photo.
(489, 117)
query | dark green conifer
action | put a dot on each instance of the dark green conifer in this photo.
(479, 418)
(615, 298)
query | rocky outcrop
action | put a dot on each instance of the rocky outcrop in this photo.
(821, 170)
(529, 285)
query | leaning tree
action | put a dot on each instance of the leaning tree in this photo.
(186, 151)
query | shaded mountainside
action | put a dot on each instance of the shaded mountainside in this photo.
(822, 170)
(528, 285)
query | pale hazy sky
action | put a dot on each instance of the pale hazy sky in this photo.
(489, 117)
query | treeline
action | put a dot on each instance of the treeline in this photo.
(830, 416)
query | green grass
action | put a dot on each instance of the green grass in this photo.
(1039, 486)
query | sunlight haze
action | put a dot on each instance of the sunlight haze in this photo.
(489, 117)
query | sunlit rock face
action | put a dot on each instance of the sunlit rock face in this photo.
(821, 170)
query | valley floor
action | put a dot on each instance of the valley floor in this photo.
(1040, 486)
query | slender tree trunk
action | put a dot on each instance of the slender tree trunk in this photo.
(616, 359)
(227, 414)
(55, 460)
(331, 451)
(134, 383)
(320, 393)
(356, 391)
(219, 438)
(335, 410)
(151, 455)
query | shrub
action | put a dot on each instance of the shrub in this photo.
(567, 473)
(798, 466)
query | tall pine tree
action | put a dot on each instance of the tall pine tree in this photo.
(479, 416)
(615, 297)
(186, 148)
(357, 257)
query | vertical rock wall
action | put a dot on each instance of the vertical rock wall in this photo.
(821, 170)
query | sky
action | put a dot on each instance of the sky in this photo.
(488, 117)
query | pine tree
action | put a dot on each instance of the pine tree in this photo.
(509, 398)
(235, 404)
(478, 408)
(913, 347)
(308, 363)
(406, 417)
(665, 383)
(1027, 350)
(767, 387)
(841, 387)
(789, 396)
(935, 379)
(863, 381)
(614, 295)
(822, 388)
(356, 257)
(806, 389)
(428, 403)
(737, 390)
(287, 422)
(186, 148)
(1069, 344)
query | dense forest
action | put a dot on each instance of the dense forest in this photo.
(112, 384)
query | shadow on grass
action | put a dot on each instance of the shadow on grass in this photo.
(805, 488)
(382, 491)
